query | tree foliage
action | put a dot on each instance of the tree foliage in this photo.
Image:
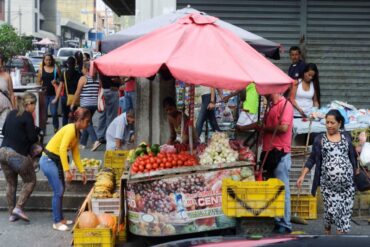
(11, 43)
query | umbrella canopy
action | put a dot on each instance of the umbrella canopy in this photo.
(197, 51)
(266, 47)
(45, 41)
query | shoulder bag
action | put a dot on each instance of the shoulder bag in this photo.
(70, 97)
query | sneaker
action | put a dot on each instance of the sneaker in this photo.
(96, 145)
(67, 222)
(82, 146)
(281, 230)
(60, 227)
(13, 218)
(20, 214)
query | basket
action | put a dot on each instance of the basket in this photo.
(307, 206)
(106, 205)
(115, 159)
(90, 172)
(253, 199)
(298, 160)
(88, 237)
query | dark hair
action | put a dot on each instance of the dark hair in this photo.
(315, 79)
(87, 56)
(79, 59)
(81, 113)
(338, 117)
(71, 68)
(169, 101)
(51, 57)
(71, 62)
(295, 48)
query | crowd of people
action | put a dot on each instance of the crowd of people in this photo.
(333, 154)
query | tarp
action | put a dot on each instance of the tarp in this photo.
(266, 47)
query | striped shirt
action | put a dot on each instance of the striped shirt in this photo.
(89, 93)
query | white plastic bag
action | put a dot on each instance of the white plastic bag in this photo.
(365, 154)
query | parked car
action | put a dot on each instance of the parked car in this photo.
(26, 69)
(65, 52)
(36, 58)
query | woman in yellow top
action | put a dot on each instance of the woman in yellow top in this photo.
(54, 162)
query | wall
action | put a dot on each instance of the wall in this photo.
(78, 10)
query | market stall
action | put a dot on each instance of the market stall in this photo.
(168, 191)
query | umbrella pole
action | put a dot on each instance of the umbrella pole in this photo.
(191, 116)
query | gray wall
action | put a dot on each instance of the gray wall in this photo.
(336, 37)
(49, 9)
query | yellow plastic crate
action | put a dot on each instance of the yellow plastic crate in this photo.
(307, 206)
(253, 199)
(115, 159)
(93, 237)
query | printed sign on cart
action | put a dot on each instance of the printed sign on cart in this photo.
(179, 205)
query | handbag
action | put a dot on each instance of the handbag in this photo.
(362, 180)
(101, 100)
(70, 97)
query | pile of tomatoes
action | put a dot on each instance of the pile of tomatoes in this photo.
(148, 163)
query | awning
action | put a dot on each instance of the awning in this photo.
(74, 25)
(45, 34)
(121, 7)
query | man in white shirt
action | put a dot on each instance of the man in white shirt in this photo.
(119, 131)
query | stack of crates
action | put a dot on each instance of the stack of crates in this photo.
(102, 237)
(306, 205)
(116, 160)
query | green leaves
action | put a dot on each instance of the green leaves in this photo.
(11, 44)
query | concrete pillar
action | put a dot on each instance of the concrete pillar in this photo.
(143, 111)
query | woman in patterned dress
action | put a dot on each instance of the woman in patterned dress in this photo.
(335, 160)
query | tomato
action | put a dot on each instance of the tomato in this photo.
(148, 166)
(145, 171)
(151, 160)
(160, 155)
(134, 169)
(168, 165)
(158, 161)
(164, 160)
(142, 163)
(141, 168)
(155, 166)
(180, 162)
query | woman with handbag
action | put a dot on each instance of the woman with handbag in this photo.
(68, 87)
(336, 164)
(54, 163)
(19, 135)
(49, 77)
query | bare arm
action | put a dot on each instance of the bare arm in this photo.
(292, 99)
(282, 128)
(39, 74)
(315, 100)
(81, 84)
(10, 90)
(172, 138)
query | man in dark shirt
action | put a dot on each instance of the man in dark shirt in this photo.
(297, 66)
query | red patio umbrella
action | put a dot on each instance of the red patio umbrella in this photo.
(196, 51)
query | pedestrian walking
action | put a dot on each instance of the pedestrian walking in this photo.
(87, 93)
(54, 163)
(110, 87)
(336, 163)
(79, 60)
(49, 77)
(277, 141)
(68, 87)
(6, 92)
(19, 135)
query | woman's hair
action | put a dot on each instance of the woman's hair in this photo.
(23, 101)
(81, 113)
(315, 79)
(52, 60)
(338, 117)
(79, 59)
(71, 67)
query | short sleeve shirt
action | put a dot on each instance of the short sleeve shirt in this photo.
(251, 102)
(295, 70)
(116, 130)
(281, 141)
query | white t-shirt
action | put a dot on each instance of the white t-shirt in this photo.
(118, 129)
(304, 99)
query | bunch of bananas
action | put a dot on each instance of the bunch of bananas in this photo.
(104, 184)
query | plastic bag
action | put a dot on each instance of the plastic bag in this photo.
(365, 154)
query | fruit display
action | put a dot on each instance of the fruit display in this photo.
(162, 161)
(245, 154)
(104, 185)
(90, 162)
(143, 149)
(88, 220)
(218, 150)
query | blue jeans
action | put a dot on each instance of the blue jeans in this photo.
(50, 170)
(65, 110)
(109, 114)
(90, 131)
(129, 101)
(53, 110)
(205, 114)
(282, 173)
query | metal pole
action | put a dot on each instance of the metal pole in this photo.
(20, 20)
(9, 12)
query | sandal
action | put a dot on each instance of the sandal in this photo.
(13, 218)
(20, 214)
(60, 227)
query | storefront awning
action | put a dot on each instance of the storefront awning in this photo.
(45, 34)
(121, 7)
(74, 25)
